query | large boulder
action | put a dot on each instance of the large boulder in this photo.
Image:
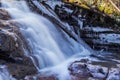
(12, 48)
(4, 74)
(4, 15)
(81, 70)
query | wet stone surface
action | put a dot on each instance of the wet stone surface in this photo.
(12, 46)
(88, 71)
(41, 77)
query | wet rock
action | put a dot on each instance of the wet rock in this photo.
(66, 14)
(79, 70)
(10, 42)
(7, 41)
(87, 71)
(100, 32)
(4, 15)
(89, 17)
(41, 77)
(4, 74)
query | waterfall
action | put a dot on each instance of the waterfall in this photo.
(49, 45)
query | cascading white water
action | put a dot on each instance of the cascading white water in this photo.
(48, 45)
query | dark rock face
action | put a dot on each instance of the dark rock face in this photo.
(8, 39)
(98, 31)
(86, 71)
(4, 15)
(80, 70)
(12, 46)
(19, 71)
(114, 74)
(69, 12)
(5, 74)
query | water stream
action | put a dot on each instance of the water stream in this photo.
(52, 48)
